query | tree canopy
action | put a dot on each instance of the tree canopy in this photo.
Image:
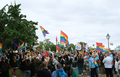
(14, 25)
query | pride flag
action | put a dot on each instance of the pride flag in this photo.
(63, 39)
(100, 46)
(111, 43)
(43, 47)
(34, 47)
(82, 53)
(57, 46)
(54, 60)
(25, 46)
(0, 47)
(93, 54)
(87, 62)
(21, 46)
(46, 54)
(44, 31)
(95, 63)
(61, 44)
(68, 44)
(106, 50)
(78, 46)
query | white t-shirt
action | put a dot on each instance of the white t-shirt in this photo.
(39, 56)
(107, 62)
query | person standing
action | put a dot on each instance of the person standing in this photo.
(102, 64)
(96, 59)
(44, 71)
(92, 67)
(80, 64)
(108, 65)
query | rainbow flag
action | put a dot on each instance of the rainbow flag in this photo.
(43, 47)
(25, 46)
(87, 62)
(68, 44)
(63, 38)
(95, 63)
(57, 46)
(21, 46)
(44, 31)
(118, 46)
(111, 43)
(93, 54)
(0, 47)
(82, 53)
(54, 60)
(61, 44)
(34, 47)
(106, 50)
(46, 54)
(100, 46)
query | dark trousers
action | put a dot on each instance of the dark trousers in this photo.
(108, 72)
(103, 69)
(94, 72)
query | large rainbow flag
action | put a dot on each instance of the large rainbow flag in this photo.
(100, 46)
(0, 47)
(63, 39)
(21, 46)
(44, 31)
(57, 46)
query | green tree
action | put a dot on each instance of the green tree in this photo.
(81, 43)
(14, 25)
(48, 44)
(71, 45)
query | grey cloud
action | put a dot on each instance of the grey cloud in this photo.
(82, 20)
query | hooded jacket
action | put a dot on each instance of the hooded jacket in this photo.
(59, 73)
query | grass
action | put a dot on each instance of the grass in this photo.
(84, 73)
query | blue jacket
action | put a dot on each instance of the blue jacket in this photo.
(96, 58)
(59, 73)
(91, 63)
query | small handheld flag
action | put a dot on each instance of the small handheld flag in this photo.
(21, 46)
(44, 31)
(57, 46)
(0, 47)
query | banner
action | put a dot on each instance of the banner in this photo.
(78, 46)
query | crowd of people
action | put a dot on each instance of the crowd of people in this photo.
(65, 64)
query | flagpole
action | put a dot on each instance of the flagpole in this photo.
(45, 40)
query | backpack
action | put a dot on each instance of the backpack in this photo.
(62, 74)
(70, 70)
(99, 62)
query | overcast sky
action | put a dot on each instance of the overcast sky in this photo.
(82, 20)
